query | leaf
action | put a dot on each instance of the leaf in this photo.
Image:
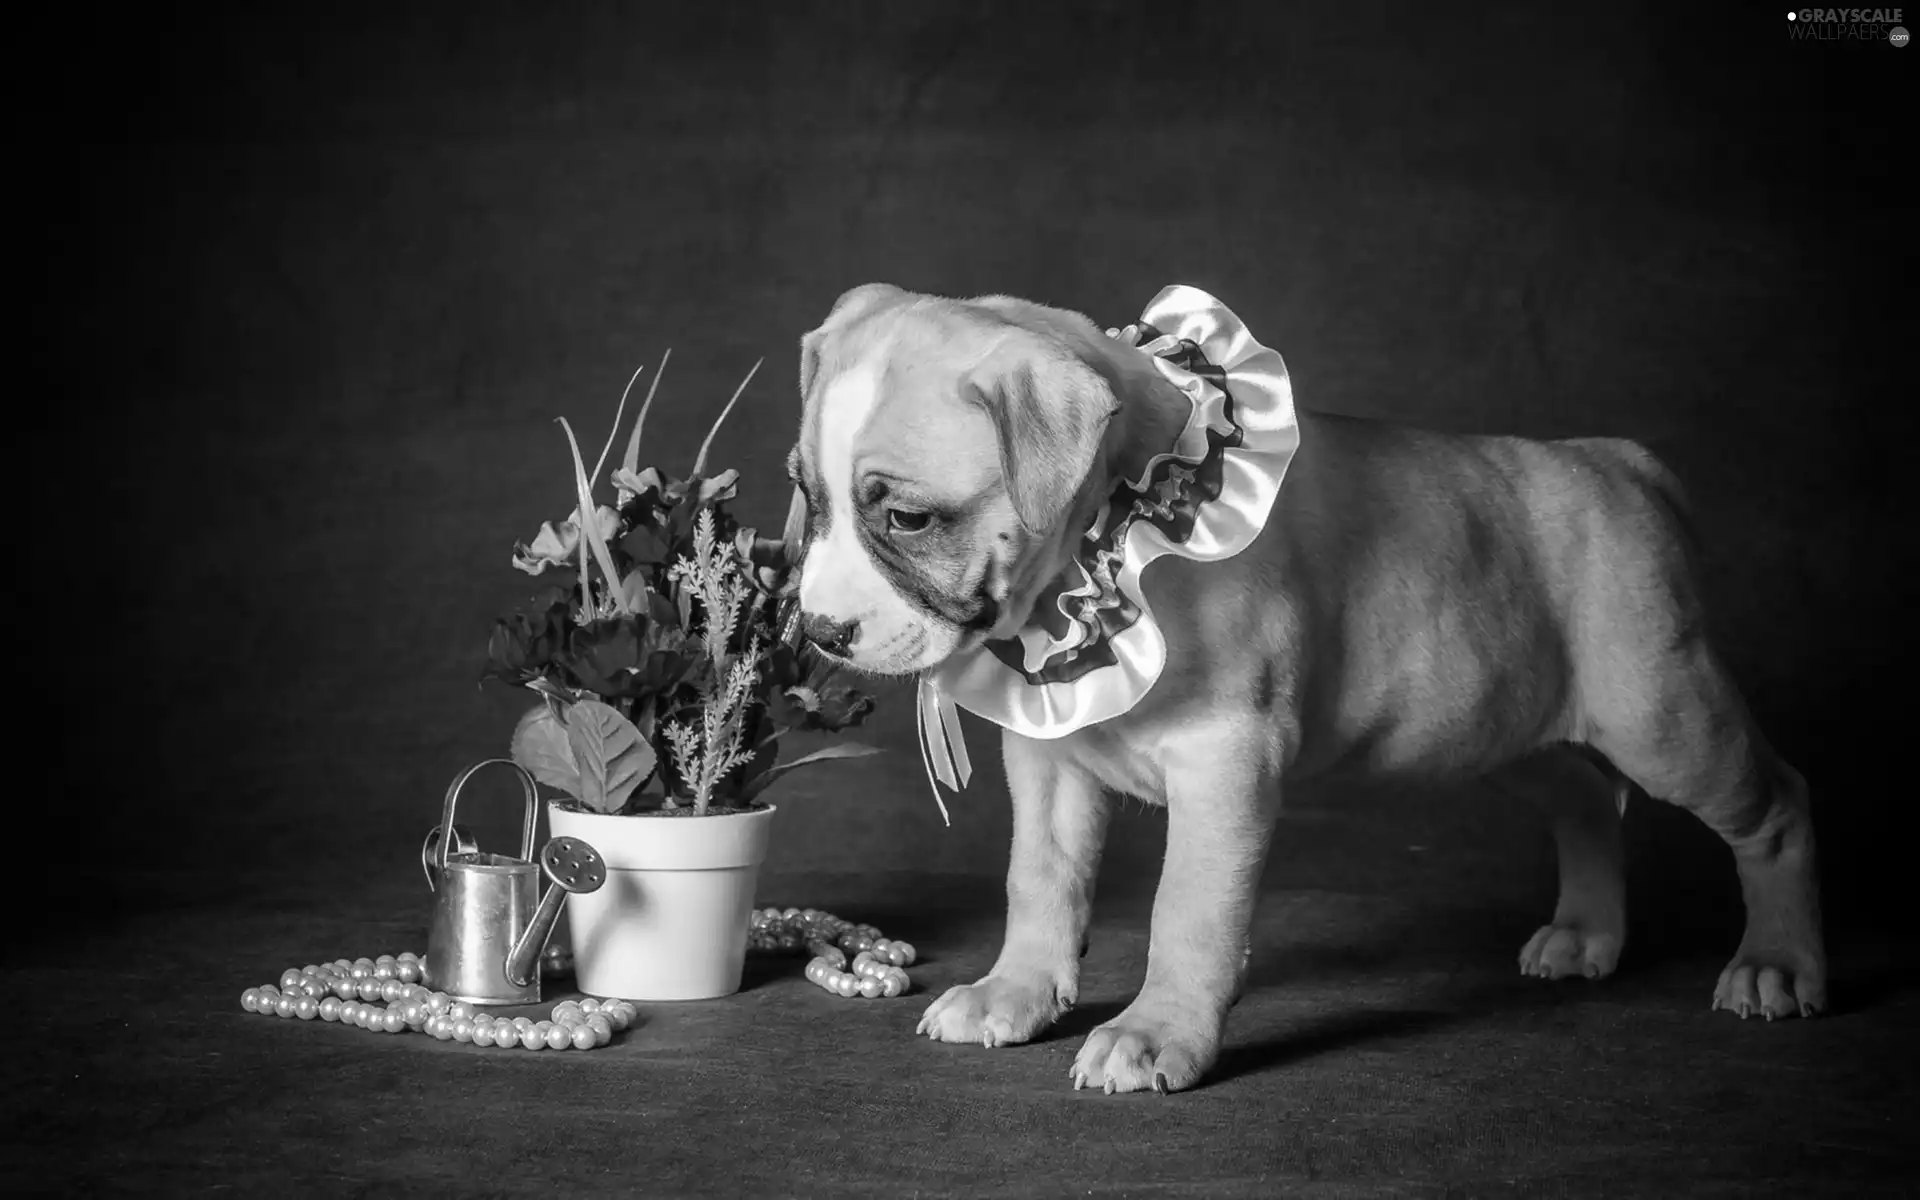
(613, 759)
(825, 709)
(540, 745)
(589, 525)
(634, 588)
(837, 750)
(643, 545)
(601, 655)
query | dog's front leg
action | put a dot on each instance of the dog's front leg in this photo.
(1059, 823)
(1219, 823)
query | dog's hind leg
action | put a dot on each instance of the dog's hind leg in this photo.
(1656, 700)
(1689, 739)
(1583, 800)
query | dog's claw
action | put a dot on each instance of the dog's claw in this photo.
(1109, 1087)
(986, 1039)
(1160, 1082)
(1079, 1081)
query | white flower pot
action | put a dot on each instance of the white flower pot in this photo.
(670, 923)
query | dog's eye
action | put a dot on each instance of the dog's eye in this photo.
(905, 520)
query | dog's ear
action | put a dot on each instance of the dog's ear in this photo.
(850, 306)
(1051, 412)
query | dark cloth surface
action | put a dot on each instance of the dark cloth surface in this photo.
(313, 286)
(1386, 1047)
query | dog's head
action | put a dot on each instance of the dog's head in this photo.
(950, 453)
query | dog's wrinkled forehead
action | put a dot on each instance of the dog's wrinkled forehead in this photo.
(884, 397)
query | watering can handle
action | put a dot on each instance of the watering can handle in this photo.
(453, 797)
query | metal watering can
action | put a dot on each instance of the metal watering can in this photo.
(489, 922)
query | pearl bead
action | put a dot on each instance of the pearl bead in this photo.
(559, 1037)
(533, 1039)
(382, 971)
(619, 1018)
(459, 1009)
(463, 1029)
(870, 987)
(288, 978)
(602, 1026)
(360, 972)
(306, 1008)
(283, 1006)
(569, 1012)
(250, 999)
(483, 1034)
(891, 987)
(590, 1005)
(845, 984)
(330, 1008)
(583, 1037)
(345, 989)
(394, 1022)
(408, 972)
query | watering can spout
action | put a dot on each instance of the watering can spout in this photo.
(571, 866)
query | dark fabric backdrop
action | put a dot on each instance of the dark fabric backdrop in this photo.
(316, 286)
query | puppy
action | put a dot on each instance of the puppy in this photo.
(1415, 604)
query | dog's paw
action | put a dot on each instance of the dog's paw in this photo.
(1134, 1052)
(1561, 951)
(999, 1010)
(1758, 983)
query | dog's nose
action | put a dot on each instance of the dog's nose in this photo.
(830, 635)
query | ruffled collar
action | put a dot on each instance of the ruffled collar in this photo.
(1093, 649)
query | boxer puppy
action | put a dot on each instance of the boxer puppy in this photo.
(1418, 604)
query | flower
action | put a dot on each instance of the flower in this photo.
(558, 545)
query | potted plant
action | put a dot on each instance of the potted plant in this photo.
(667, 668)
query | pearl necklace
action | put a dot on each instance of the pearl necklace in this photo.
(877, 961)
(353, 991)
